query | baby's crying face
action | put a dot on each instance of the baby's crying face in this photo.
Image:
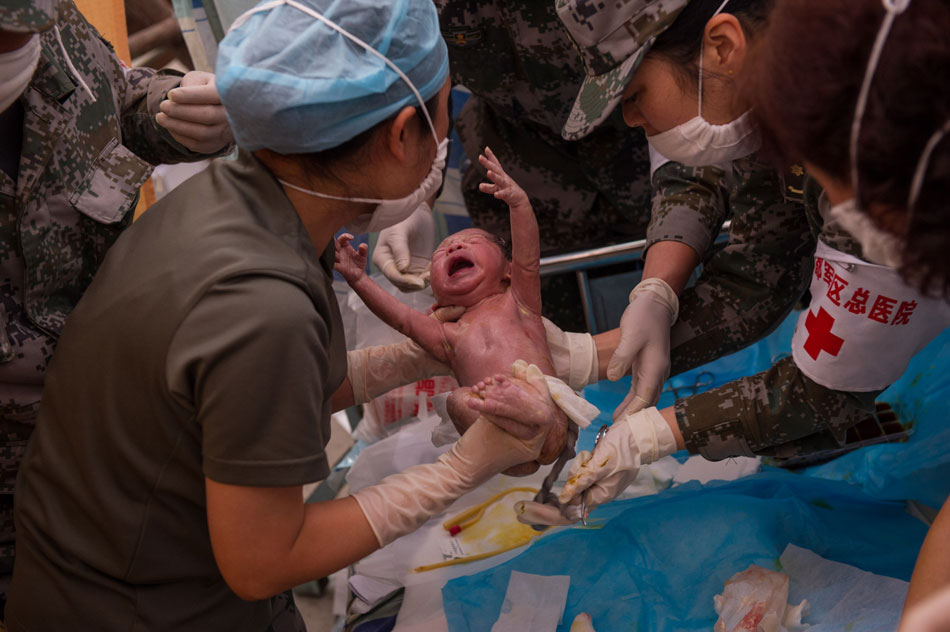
(467, 267)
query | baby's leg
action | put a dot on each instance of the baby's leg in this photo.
(519, 406)
(463, 416)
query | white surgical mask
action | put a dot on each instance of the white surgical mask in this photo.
(697, 142)
(877, 246)
(388, 212)
(16, 71)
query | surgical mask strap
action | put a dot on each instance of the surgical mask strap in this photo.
(893, 8)
(701, 47)
(439, 163)
(917, 183)
(267, 6)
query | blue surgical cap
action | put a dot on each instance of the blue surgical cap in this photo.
(293, 84)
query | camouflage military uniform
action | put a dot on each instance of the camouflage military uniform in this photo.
(751, 284)
(524, 73)
(778, 412)
(82, 143)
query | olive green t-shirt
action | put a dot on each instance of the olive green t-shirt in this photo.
(208, 344)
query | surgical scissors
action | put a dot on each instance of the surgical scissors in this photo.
(600, 435)
(703, 380)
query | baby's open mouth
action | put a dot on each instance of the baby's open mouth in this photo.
(460, 263)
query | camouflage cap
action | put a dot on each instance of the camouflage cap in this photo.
(612, 37)
(28, 16)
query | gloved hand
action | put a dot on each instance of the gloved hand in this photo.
(644, 348)
(374, 371)
(574, 356)
(194, 116)
(403, 251)
(398, 504)
(636, 439)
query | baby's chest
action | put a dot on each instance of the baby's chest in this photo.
(490, 341)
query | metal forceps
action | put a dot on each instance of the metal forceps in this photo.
(544, 495)
(584, 511)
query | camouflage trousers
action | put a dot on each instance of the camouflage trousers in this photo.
(580, 198)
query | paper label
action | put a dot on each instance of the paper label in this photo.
(452, 549)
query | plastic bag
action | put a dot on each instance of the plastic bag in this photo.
(382, 415)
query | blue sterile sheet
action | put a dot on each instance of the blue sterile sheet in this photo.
(659, 560)
(920, 468)
(656, 562)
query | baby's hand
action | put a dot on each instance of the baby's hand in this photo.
(348, 262)
(501, 185)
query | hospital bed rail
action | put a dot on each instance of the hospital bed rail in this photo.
(582, 262)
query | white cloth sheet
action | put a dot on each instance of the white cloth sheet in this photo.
(842, 598)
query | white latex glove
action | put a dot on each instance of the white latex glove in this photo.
(930, 615)
(636, 439)
(400, 503)
(644, 348)
(194, 115)
(403, 251)
(376, 370)
(574, 356)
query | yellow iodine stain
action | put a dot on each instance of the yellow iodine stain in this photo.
(498, 528)
(488, 529)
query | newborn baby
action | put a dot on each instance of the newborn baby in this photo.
(501, 324)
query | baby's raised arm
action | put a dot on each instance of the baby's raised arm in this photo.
(351, 264)
(525, 242)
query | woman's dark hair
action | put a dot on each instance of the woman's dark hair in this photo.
(681, 42)
(803, 82)
(353, 151)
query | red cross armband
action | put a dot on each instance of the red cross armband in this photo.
(863, 324)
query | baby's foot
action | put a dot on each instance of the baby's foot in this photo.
(481, 388)
(504, 397)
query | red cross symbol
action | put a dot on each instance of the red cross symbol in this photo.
(820, 337)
